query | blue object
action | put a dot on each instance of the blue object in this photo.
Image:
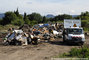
(46, 24)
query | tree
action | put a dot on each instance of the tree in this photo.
(12, 18)
(84, 15)
(25, 16)
(35, 16)
(16, 12)
(26, 20)
(33, 22)
(61, 17)
(9, 16)
(18, 22)
(44, 20)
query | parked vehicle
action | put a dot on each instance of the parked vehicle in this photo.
(73, 32)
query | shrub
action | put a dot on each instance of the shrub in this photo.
(85, 23)
(18, 22)
(80, 53)
(76, 52)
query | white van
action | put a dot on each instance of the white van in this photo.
(73, 32)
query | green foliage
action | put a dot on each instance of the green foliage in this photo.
(18, 22)
(85, 20)
(85, 23)
(9, 16)
(78, 53)
(6, 27)
(44, 20)
(12, 18)
(75, 52)
(33, 22)
(20, 16)
(26, 20)
(36, 17)
(16, 12)
(84, 15)
(61, 17)
(25, 17)
(86, 29)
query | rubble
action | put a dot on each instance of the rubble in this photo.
(33, 35)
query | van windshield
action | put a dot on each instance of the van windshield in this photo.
(75, 31)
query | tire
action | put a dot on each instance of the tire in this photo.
(81, 43)
(64, 39)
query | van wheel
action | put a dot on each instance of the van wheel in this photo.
(81, 43)
(64, 40)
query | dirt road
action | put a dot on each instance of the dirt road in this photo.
(43, 51)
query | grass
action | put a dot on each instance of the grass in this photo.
(82, 52)
(6, 27)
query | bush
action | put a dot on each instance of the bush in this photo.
(86, 29)
(85, 23)
(33, 22)
(18, 22)
(76, 52)
(27, 22)
(80, 53)
(9, 16)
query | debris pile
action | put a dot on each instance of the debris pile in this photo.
(33, 35)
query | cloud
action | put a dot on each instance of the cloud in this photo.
(72, 11)
(29, 2)
(45, 7)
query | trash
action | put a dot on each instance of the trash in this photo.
(46, 36)
(55, 32)
(24, 42)
(46, 25)
(33, 35)
(18, 31)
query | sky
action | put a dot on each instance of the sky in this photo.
(44, 7)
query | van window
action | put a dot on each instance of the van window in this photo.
(75, 31)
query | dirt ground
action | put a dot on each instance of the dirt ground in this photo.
(42, 51)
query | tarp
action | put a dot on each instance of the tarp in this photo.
(46, 24)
